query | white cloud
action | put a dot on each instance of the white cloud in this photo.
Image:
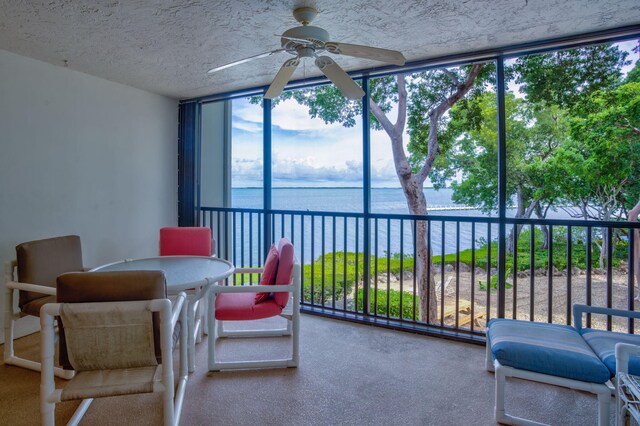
(290, 115)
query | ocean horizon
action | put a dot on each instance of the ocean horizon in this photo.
(350, 200)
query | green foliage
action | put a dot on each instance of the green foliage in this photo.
(493, 282)
(378, 303)
(600, 164)
(563, 77)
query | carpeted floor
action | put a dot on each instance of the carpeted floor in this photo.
(348, 375)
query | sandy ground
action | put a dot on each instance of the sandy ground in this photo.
(460, 285)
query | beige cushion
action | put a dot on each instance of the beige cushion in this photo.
(94, 384)
(80, 287)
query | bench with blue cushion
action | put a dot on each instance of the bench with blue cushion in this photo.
(563, 355)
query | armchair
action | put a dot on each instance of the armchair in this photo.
(277, 295)
(38, 264)
(117, 331)
(190, 241)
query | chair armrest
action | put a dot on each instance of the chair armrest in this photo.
(176, 308)
(51, 291)
(623, 352)
(248, 271)
(579, 310)
(279, 288)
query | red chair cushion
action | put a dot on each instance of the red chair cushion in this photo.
(185, 241)
(243, 306)
(269, 273)
(285, 270)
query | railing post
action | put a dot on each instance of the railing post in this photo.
(266, 166)
(366, 196)
(502, 188)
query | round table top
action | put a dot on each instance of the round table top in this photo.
(181, 272)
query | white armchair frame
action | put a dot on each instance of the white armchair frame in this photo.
(11, 316)
(291, 313)
(169, 316)
(623, 352)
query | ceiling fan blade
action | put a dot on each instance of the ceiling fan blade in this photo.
(367, 52)
(242, 61)
(282, 78)
(340, 78)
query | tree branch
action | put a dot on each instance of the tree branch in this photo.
(451, 76)
(395, 132)
(402, 103)
(436, 114)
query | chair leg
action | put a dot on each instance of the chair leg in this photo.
(499, 410)
(47, 384)
(8, 324)
(191, 344)
(213, 334)
(488, 358)
(604, 401)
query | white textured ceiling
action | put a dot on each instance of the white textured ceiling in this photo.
(167, 46)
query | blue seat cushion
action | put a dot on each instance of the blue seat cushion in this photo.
(603, 343)
(557, 350)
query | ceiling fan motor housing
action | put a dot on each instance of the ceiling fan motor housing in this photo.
(315, 36)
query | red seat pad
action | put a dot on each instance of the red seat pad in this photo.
(185, 241)
(243, 306)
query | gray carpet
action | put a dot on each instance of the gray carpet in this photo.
(348, 375)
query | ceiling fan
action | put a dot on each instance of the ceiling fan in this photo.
(308, 41)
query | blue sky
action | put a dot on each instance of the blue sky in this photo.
(309, 153)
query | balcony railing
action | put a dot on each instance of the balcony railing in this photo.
(537, 284)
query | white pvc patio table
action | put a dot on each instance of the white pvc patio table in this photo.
(193, 274)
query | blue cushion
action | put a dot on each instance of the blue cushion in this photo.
(603, 343)
(553, 349)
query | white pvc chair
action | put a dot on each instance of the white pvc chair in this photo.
(240, 293)
(32, 280)
(94, 334)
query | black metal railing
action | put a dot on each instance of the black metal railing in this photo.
(343, 277)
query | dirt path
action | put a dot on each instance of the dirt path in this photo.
(521, 288)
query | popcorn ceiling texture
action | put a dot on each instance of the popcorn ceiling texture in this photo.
(167, 46)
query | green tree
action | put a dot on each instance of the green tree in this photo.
(532, 136)
(564, 77)
(598, 169)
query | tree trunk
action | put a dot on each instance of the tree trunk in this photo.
(546, 238)
(521, 212)
(412, 183)
(426, 282)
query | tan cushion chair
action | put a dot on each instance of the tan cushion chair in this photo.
(113, 326)
(38, 265)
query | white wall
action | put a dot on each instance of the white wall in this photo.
(82, 155)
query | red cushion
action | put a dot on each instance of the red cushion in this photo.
(269, 274)
(285, 270)
(185, 241)
(243, 306)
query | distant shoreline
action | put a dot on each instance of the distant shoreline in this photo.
(324, 187)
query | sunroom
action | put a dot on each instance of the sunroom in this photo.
(491, 175)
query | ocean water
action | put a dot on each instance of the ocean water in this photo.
(325, 235)
(383, 200)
